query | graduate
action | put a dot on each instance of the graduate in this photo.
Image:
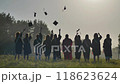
(18, 44)
(78, 43)
(107, 48)
(67, 50)
(96, 46)
(47, 43)
(27, 46)
(87, 44)
(37, 42)
(56, 47)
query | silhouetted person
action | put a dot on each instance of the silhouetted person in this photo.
(38, 42)
(67, 50)
(87, 44)
(18, 44)
(56, 47)
(107, 48)
(27, 46)
(59, 38)
(47, 44)
(78, 44)
(96, 46)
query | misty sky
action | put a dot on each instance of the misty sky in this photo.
(90, 16)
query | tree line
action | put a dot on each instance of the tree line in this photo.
(9, 26)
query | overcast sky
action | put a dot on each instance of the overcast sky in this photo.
(90, 16)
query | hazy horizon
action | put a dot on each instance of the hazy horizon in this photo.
(90, 16)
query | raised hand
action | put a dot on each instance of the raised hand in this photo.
(52, 32)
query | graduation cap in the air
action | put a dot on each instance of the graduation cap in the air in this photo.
(35, 14)
(55, 23)
(78, 30)
(30, 24)
(45, 13)
(65, 8)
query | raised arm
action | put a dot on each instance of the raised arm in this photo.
(51, 36)
(59, 36)
(100, 37)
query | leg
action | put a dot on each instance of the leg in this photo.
(36, 57)
(48, 57)
(88, 57)
(39, 57)
(24, 57)
(94, 59)
(27, 57)
(98, 58)
(18, 56)
(54, 56)
(15, 56)
(108, 59)
(45, 58)
(84, 57)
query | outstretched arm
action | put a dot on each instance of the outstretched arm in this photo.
(59, 36)
(100, 37)
(51, 36)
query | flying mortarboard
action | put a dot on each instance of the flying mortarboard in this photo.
(55, 23)
(35, 14)
(45, 13)
(64, 7)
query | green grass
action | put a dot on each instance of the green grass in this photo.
(7, 61)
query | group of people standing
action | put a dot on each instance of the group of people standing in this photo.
(52, 43)
(95, 45)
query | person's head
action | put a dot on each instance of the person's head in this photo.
(87, 36)
(26, 35)
(37, 36)
(55, 36)
(95, 35)
(47, 37)
(108, 36)
(66, 36)
(17, 34)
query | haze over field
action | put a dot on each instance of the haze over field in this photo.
(89, 15)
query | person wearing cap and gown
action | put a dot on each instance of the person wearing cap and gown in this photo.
(56, 47)
(96, 46)
(87, 44)
(67, 50)
(107, 48)
(78, 44)
(38, 41)
(27, 46)
(47, 43)
(18, 44)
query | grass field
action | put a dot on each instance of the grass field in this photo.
(7, 61)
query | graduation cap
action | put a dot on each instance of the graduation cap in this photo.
(35, 14)
(78, 30)
(65, 8)
(55, 23)
(45, 13)
(30, 24)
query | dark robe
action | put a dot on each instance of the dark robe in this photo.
(38, 41)
(86, 44)
(78, 44)
(18, 45)
(68, 43)
(96, 46)
(107, 47)
(56, 42)
(48, 43)
(27, 46)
